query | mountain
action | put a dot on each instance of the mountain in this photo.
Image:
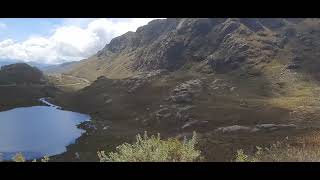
(20, 73)
(238, 82)
(220, 44)
(41, 66)
(21, 85)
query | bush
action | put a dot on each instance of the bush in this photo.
(19, 158)
(154, 149)
(242, 157)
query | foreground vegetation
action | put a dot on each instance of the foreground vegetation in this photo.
(146, 149)
(20, 158)
(154, 149)
(306, 149)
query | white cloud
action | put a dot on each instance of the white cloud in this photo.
(76, 39)
(80, 22)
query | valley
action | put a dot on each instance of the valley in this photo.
(238, 82)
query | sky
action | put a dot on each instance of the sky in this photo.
(58, 40)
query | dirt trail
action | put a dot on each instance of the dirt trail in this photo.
(8, 85)
(82, 79)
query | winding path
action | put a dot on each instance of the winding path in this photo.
(84, 81)
(8, 85)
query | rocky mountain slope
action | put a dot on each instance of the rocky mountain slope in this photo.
(238, 82)
(223, 44)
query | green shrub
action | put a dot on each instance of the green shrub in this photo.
(20, 158)
(242, 157)
(154, 149)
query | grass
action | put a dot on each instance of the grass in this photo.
(300, 93)
(305, 149)
(154, 149)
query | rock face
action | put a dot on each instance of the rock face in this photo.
(223, 44)
(20, 73)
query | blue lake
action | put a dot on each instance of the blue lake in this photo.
(38, 130)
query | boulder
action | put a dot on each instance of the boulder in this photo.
(190, 123)
(234, 128)
(293, 66)
(259, 127)
(163, 113)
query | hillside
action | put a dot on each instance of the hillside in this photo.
(238, 82)
(20, 73)
(22, 85)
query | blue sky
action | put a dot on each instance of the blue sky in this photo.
(57, 40)
(21, 28)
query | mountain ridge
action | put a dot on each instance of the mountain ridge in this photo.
(171, 43)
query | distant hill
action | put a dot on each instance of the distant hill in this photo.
(20, 73)
(58, 69)
(40, 66)
(7, 62)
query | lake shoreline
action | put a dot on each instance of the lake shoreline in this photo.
(43, 121)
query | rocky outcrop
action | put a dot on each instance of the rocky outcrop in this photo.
(185, 92)
(193, 123)
(141, 79)
(259, 127)
(293, 66)
(235, 128)
(219, 84)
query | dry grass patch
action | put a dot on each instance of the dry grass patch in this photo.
(303, 149)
